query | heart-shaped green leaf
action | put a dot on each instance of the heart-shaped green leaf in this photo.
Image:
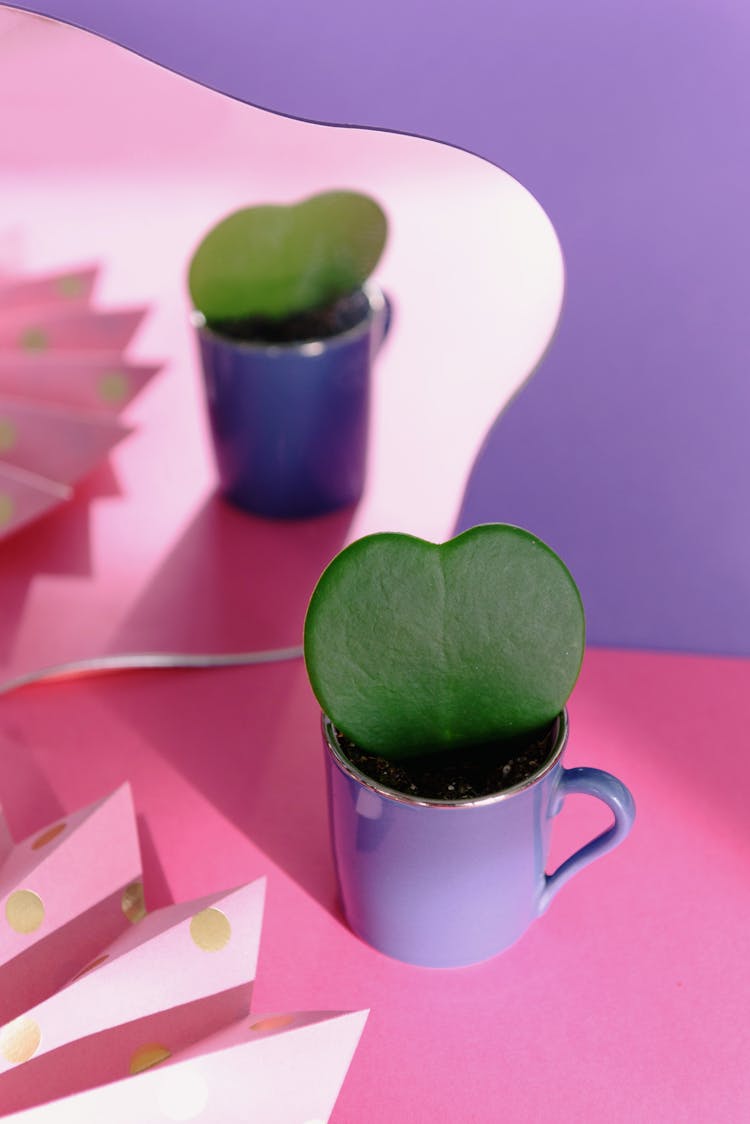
(274, 261)
(413, 647)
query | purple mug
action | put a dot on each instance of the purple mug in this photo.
(289, 422)
(444, 885)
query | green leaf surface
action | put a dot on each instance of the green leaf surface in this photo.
(274, 261)
(413, 647)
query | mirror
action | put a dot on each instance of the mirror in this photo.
(648, 370)
(113, 160)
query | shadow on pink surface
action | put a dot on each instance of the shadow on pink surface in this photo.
(27, 798)
(233, 582)
(156, 887)
(236, 582)
(248, 741)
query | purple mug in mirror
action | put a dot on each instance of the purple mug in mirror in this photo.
(289, 422)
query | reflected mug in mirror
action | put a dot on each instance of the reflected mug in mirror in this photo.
(443, 884)
(289, 422)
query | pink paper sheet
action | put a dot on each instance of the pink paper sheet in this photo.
(78, 380)
(32, 329)
(68, 287)
(62, 376)
(180, 973)
(172, 989)
(25, 496)
(278, 1069)
(66, 892)
(59, 444)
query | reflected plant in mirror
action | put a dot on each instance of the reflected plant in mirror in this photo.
(445, 667)
(289, 273)
(288, 326)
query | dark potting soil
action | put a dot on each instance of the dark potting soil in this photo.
(315, 324)
(465, 775)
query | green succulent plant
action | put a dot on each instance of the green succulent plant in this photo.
(275, 261)
(413, 647)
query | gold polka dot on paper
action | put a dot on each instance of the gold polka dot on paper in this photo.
(8, 435)
(70, 287)
(90, 967)
(147, 1056)
(24, 910)
(34, 339)
(276, 1022)
(114, 387)
(7, 509)
(133, 904)
(210, 930)
(20, 1040)
(48, 835)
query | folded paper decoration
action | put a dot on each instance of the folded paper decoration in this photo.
(65, 894)
(68, 329)
(24, 496)
(78, 379)
(68, 287)
(53, 442)
(279, 1069)
(63, 381)
(180, 974)
(95, 992)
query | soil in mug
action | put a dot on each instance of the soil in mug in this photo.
(467, 775)
(314, 324)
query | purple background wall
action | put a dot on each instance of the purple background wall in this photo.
(628, 121)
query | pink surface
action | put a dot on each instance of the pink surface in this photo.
(6, 842)
(628, 1000)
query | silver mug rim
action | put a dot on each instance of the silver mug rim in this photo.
(344, 764)
(376, 300)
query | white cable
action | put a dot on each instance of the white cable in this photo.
(146, 661)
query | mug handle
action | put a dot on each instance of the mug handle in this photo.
(384, 321)
(605, 787)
